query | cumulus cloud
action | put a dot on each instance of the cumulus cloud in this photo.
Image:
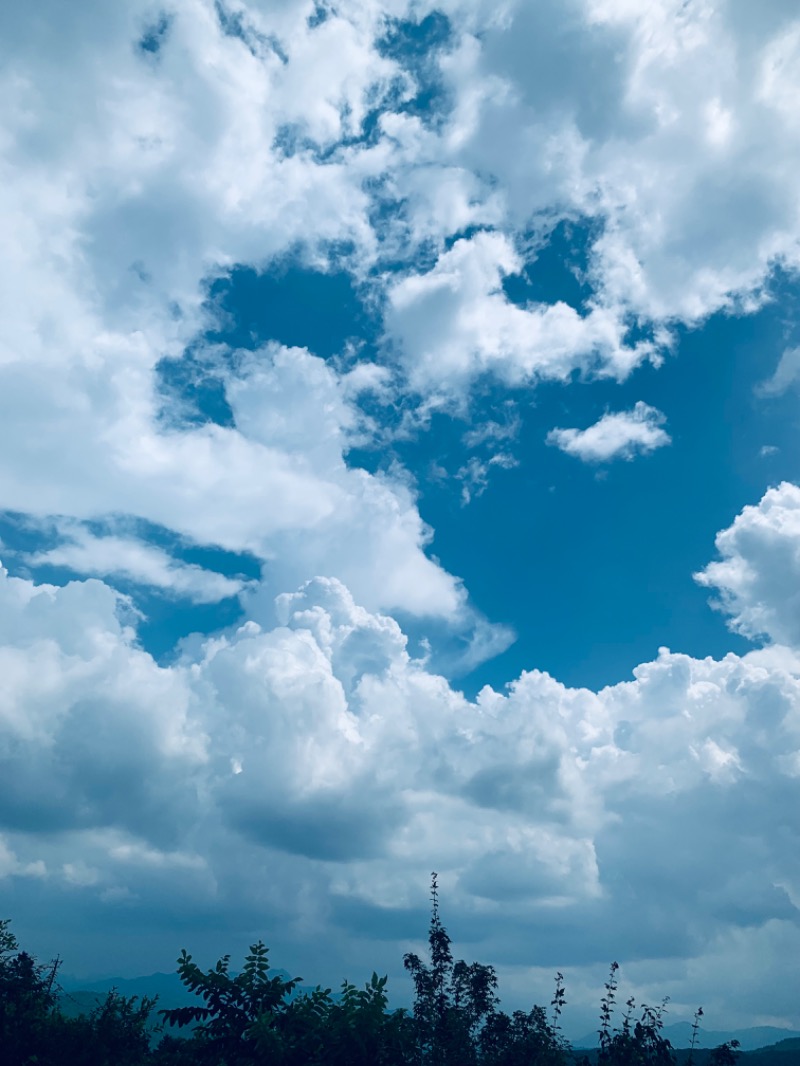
(655, 136)
(214, 148)
(276, 484)
(322, 748)
(651, 128)
(93, 731)
(619, 435)
(758, 576)
(10, 866)
(455, 323)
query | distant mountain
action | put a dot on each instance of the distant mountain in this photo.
(784, 1053)
(168, 987)
(680, 1036)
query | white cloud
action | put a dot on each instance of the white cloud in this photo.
(112, 556)
(93, 731)
(185, 170)
(276, 485)
(786, 373)
(758, 576)
(619, 435)
(454, 323)
(131, 178)
(676, 134)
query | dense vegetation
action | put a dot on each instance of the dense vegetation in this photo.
(253, 1017)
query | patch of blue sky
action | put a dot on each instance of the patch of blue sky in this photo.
(192, 391)
(288, 304)
(207, 556)
(291, 138)
(416, 46)
(166, 621)
(155, 35)
(292, 305)
(320, 14)
(592, 564)
(558, 269)
(20, 535)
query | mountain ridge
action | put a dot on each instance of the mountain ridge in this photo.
(679, 1035)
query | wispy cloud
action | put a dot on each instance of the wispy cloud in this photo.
(491, 431)
(83, 552)
(785, 376)
(474, 474)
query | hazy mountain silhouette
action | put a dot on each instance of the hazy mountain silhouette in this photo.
(680, 1036)
(168, 987)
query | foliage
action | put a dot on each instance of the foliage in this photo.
(238, 1014)
(27, 1000)
(115, 1033)
(256, 1018)
(453, 1000)
(456, 1015)
(726, 1054)
(32, 1030)
(252, 1018)
(640, 1044)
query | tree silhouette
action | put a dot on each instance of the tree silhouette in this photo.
(255, 1018)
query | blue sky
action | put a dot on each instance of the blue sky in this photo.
(400, 472)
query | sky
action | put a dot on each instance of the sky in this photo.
(399, 472)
